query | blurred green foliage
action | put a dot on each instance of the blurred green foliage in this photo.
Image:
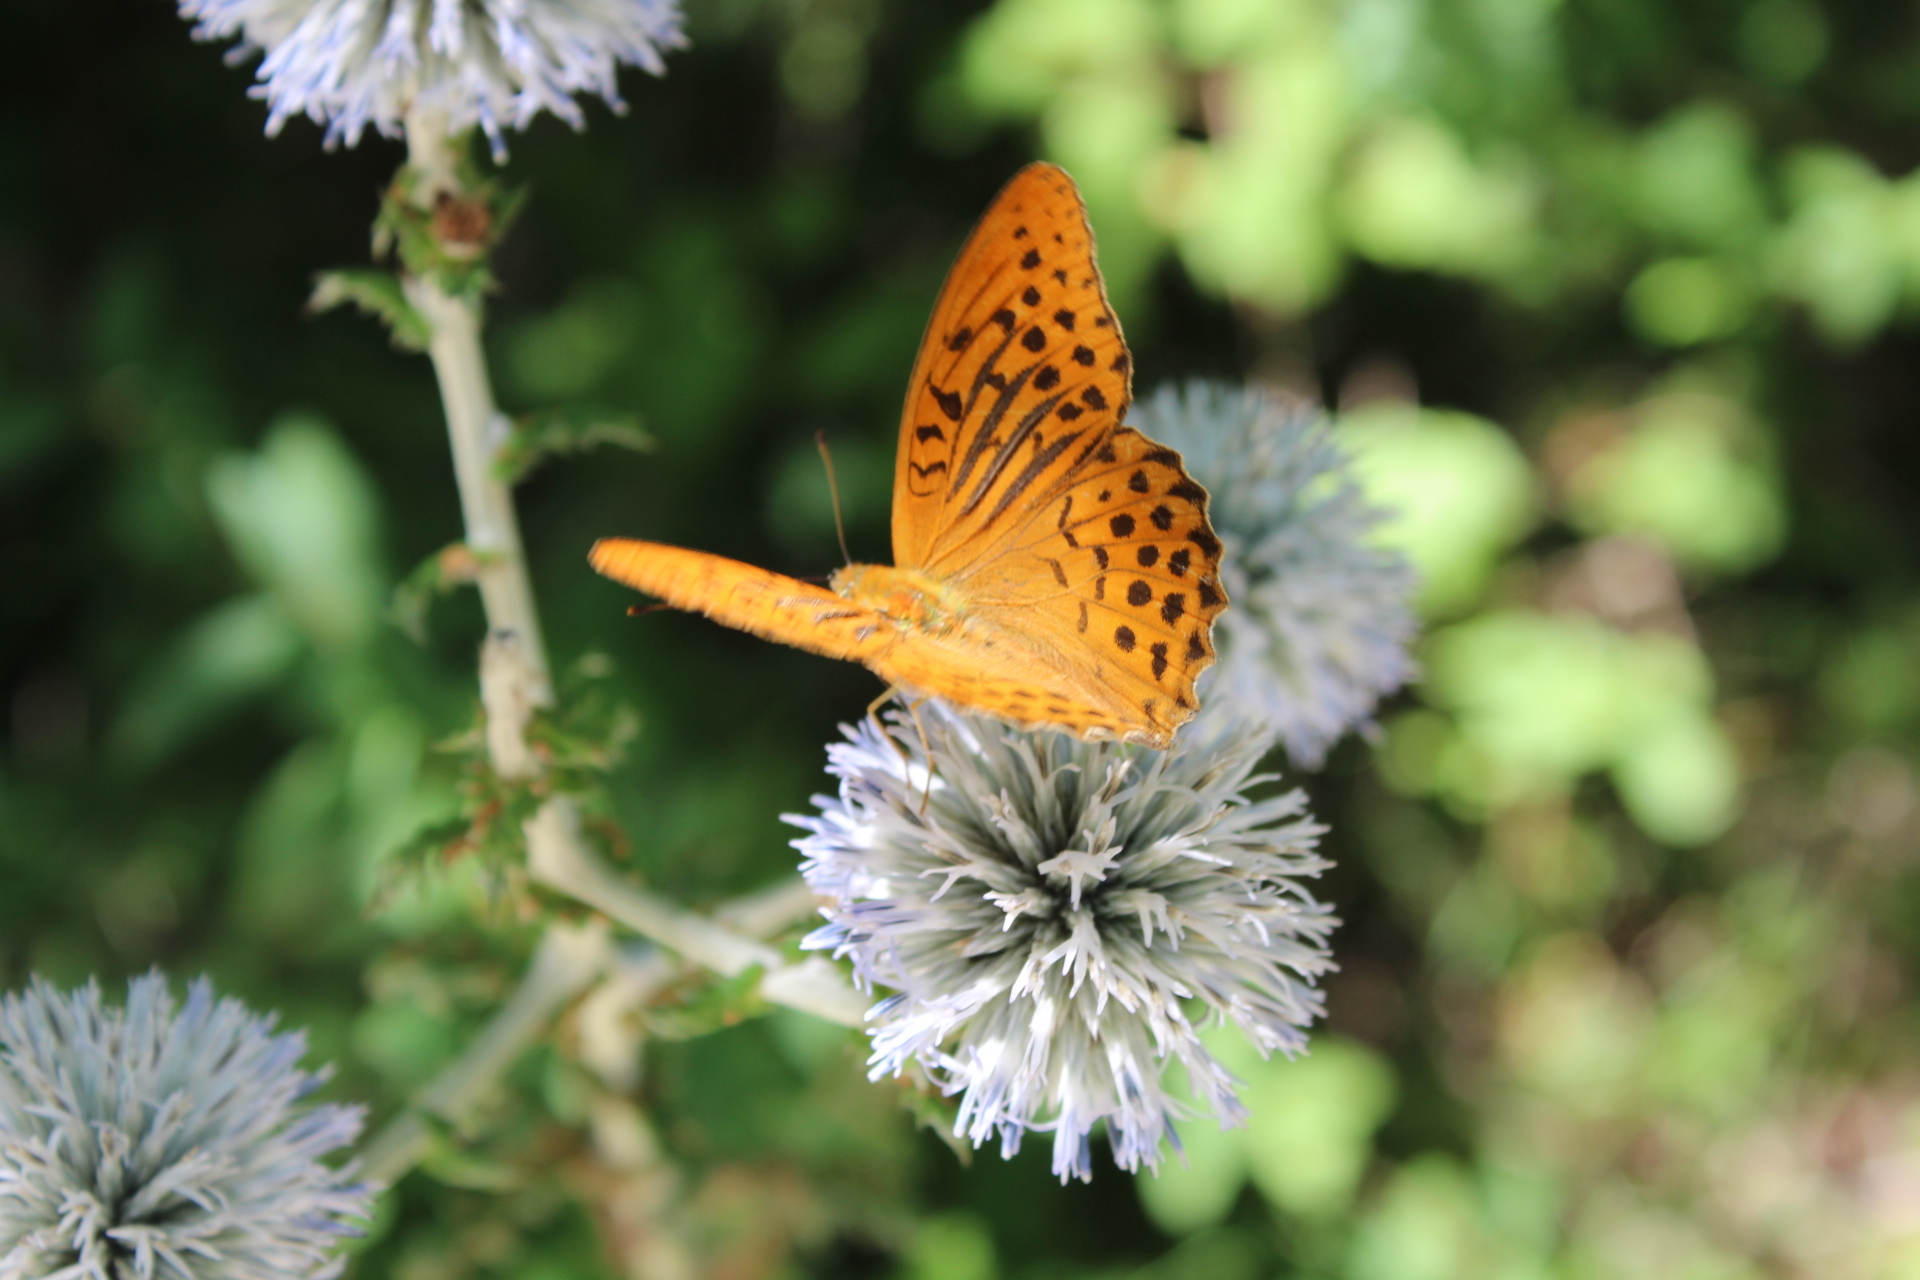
(1616, 300)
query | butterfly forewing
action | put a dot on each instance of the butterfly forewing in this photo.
(1022, 376)
(770, 605)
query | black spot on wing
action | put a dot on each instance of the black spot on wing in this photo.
(1210, 596)
(1191, 492)
(1124, 638)
(1122, 525)
(1138, 482)
(1148, 556)
(1030, 259)
(1139, 594)
(1159, 652)
(925, 434)
(1035, 340)
(1177, 562)
(949, 402)
(1031, 297)
(1064, 318)
(1047, 379)
(1068, 412)
(961, 340)
(1171, 607)
(1083, 355)
(1162, 517)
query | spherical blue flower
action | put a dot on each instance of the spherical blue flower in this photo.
(348, 64)
(1052, 915)
(1321, 617)
(152, 1141)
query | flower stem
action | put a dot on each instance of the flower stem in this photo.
(570, 957)
(514, 673)
(569, 960)
(476, 429)
(559, 859)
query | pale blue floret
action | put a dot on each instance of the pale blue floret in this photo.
(1320, 617)
(348, 64)
(1059, 916)
(149, 1142)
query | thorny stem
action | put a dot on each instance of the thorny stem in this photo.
(515, 675)
(559, 859)
(477, 429)
(570, 959)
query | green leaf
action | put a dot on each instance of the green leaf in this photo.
(454, 565)
(447, 1162)
(725, 1003)
(538, 436)
(378, 293)
(589, 730)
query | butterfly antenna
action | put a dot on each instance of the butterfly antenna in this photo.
(833, 488)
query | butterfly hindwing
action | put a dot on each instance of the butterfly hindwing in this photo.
(1026, 683)
(1124, 561)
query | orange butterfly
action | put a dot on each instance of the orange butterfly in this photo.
(1054, 567)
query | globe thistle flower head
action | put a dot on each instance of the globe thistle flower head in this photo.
(1052, 915)
(347, 64)
(152, 1142)
(1321, 617)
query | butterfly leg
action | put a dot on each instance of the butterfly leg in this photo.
(913, 709)
(873, 714)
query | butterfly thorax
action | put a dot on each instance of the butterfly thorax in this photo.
(910, 598)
